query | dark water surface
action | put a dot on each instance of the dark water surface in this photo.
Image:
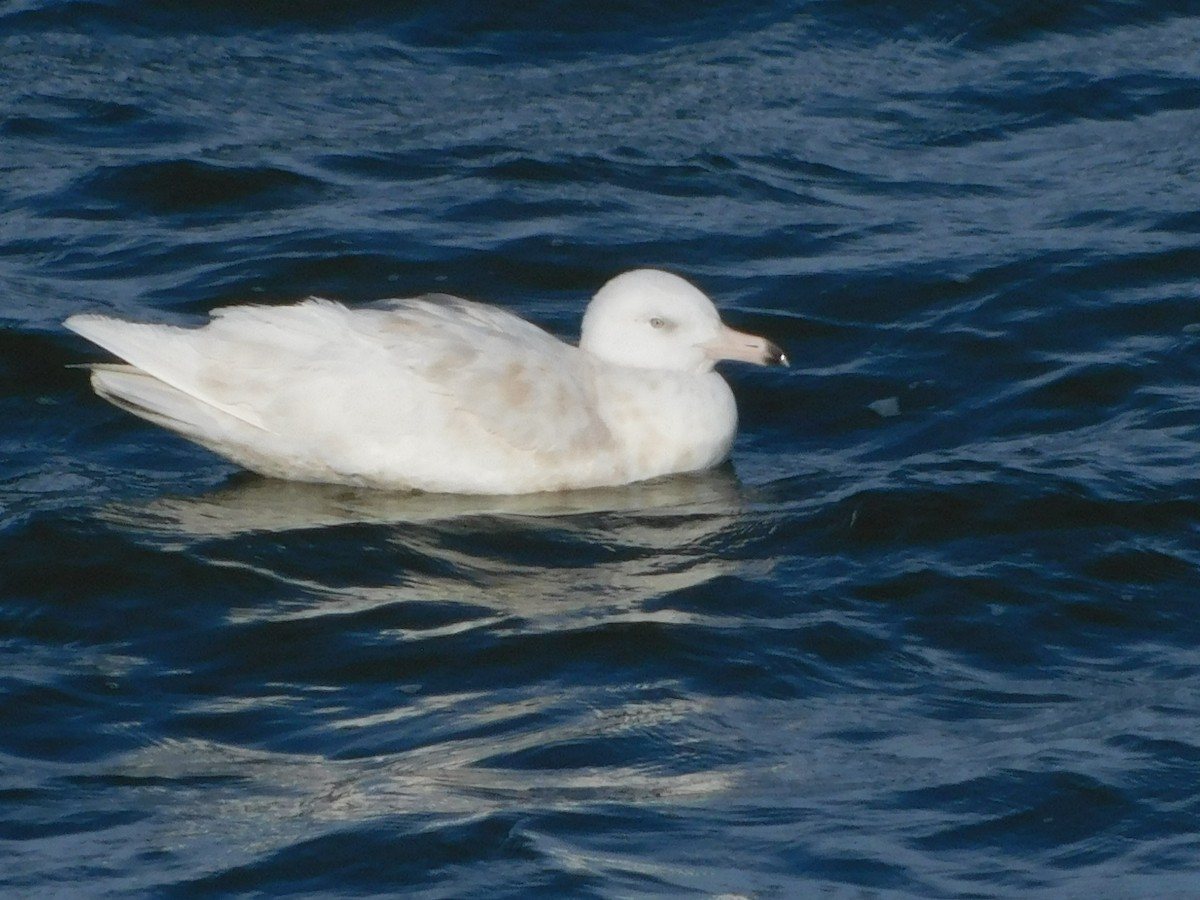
(934, 634)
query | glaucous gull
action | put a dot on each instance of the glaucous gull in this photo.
(442, 394)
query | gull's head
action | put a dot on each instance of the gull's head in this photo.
(655, 320)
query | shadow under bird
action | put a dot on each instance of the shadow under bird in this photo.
(442, 394)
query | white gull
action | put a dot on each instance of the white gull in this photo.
(442, 394)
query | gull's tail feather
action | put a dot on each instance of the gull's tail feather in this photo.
(170, 356)
(135, 391)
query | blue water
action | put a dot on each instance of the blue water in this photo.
(933, 633)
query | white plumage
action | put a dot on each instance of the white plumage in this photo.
(442, 394)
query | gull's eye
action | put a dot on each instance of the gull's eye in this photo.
(657, 322)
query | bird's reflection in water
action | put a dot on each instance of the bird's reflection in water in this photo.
(583, 552)
(502, 620)
(249, 503)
